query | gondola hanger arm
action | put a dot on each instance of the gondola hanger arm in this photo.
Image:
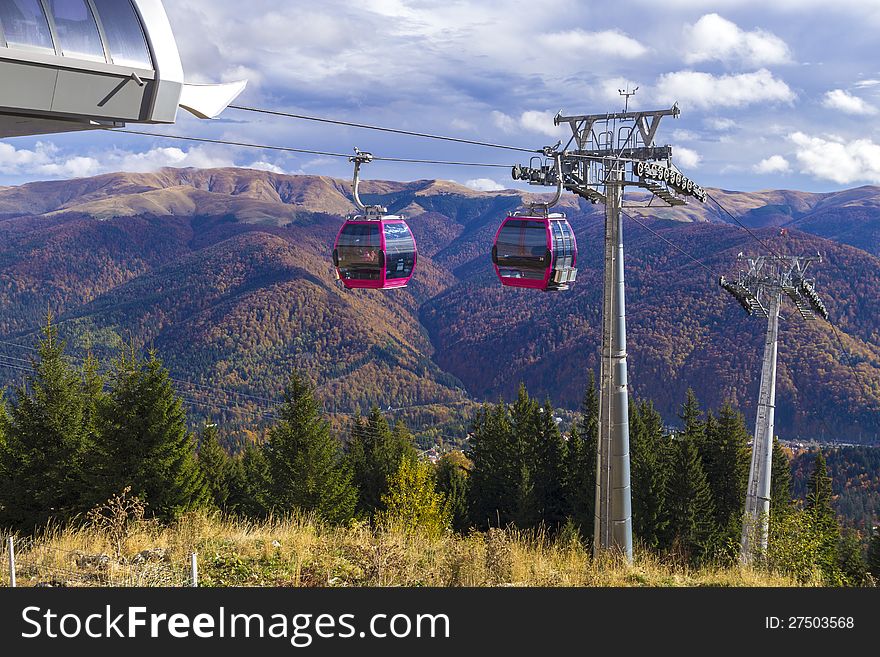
(359, 158)
(557, 158)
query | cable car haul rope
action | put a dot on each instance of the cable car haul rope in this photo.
(533, 248)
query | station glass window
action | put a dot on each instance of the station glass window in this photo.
(25, 25)
(76, 30)
(125, 35)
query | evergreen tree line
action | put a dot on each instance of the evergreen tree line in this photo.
(71, 437)
(688, 487)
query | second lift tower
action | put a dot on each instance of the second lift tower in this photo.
(760, 291)
(614, 151)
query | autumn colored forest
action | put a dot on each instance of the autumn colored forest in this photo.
(200, 358)
(226, 274)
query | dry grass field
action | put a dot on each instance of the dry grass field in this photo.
(299, 552)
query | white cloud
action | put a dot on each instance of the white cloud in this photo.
(847, 103)
(462, 125)
(46, 160)
(540, 122)
(156, 158)
(578, 43)
(716, 38)
(704, 90)
(679, 134)
(772, 164)
(265, 166)
(864, 84)
(686, 157)
(531, 121)
(484, 185)
(842, 162)
(719, 123)
(503, 121)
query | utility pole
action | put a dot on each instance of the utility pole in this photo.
(760, 292)
(614, 151)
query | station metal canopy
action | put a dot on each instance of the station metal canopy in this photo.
(71, 65)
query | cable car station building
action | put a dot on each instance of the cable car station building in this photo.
(69, 65)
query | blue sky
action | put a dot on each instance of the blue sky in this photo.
(774, 93)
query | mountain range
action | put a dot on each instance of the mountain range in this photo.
(227, 274)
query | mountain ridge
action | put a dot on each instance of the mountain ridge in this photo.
(227, 273)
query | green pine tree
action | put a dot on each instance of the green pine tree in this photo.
(691, 512)
(649, 475)
(453, 482)
(374, 455)
(850, 560)
(216, 466)
(411, 502)
(780, 481)
(547, 465)
(307, 468)
(725, 457)
(496, 480)
(824, 521)
(691, 415)
(250, 484)
(94, 400)
(145, 443)
(533, 462)
(581, 464)
(46, 442)
(873, 563)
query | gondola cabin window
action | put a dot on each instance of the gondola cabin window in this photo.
(359, 252)
(522, 249)
(537, 252)
(400, 249)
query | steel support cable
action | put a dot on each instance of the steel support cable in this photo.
(833, 328)
(670, 243)
(849, 361)
(843, 349)
(398, 131)
(746, 228)
(289, 149)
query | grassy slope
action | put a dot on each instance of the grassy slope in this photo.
(300, 553)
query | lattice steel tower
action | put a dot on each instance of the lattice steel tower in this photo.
(614, 151)
(760, 291)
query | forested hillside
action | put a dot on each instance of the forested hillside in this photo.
(226, 274)
(855, 476)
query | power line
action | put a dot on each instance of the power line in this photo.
(15, 367)
(397, 131)
(289, 149)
